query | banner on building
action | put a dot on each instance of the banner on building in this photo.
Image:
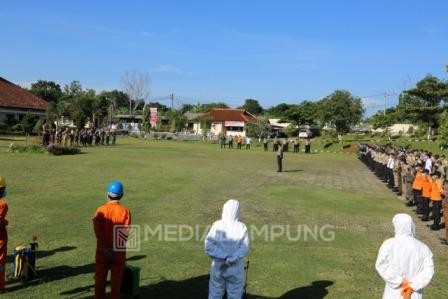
(234, 123)
(153, 116)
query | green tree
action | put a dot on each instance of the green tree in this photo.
(340, 110)
(177, 120)
(116, 97)
(55, 110)
(381, 120)
(146, 126)
(200, 108)
(278, 111)
(443, 129)
(79, 118)
(206, 124)
(258, 129)
(73, 89)
(28, 123)
(47, 90)
(303, 114)
(186, 107)
(423, 101)
(252, 106)
(431, 90)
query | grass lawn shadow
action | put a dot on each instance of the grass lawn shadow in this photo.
(293, 170)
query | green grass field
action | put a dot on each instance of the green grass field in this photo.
(186, 183)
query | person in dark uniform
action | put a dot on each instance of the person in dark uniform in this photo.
(102, 136)
(265, 144)
(223, 140)
(279, 157)
(308, 146)
(107, 136)
(114, 137)
(230, 141)
(45, 134)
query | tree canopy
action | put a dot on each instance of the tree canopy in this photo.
(47, 90)
(252, 106)
(340, 110)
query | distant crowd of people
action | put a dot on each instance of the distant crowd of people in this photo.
(417, 175)
(77, 137)
(228, 141)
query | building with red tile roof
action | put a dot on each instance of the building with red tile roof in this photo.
(229, 121)
(16, 101)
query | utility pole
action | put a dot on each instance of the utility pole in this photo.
(172, 101)
(385, 102)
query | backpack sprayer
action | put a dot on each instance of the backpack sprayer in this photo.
(24, 263)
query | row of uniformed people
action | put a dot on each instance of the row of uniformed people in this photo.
(418, 176)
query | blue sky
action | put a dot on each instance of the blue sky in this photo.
(274, 51)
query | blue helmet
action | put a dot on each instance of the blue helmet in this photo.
(115, 189)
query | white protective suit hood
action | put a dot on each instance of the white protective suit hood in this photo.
(403, 225)
(231, 210)
(404, 258)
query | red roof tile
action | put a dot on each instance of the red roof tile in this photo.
(225, 114)
(14, 96)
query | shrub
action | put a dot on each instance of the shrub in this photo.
(60, 150)
(17, 128)
(134, 135)
(26, 149)
(163, 136)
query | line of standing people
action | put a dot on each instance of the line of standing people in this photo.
(417, 175)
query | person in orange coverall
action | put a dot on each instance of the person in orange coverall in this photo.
(3, 233)
(109, 219)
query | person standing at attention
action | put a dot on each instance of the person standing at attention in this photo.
(105, 222)
(248, 140)
(279, 156)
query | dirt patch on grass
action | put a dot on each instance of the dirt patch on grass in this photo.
(352, 149)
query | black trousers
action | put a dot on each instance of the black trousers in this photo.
(425, 205)
(436, 206)
(296, 148)
(390, 178)
(265, 146)
(279, 163)
(417, 195)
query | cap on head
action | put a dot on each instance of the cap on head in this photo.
(115, 190)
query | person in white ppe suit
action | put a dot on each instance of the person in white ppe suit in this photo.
(227, 243)
(405, 263)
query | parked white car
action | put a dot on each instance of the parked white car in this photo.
(303, 134)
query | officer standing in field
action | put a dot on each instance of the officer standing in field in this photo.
(279, 156)
(265, 144)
